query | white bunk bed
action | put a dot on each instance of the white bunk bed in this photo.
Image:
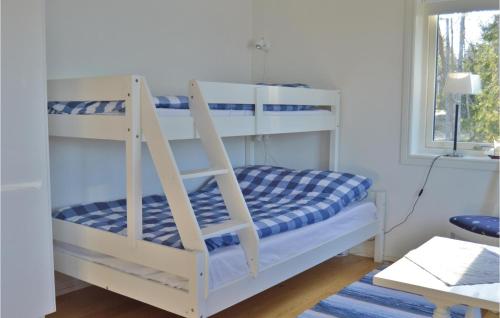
(183, 281)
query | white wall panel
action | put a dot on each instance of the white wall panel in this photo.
(27, 277)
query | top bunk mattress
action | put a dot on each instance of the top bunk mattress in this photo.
(172, 105)
(279, 200)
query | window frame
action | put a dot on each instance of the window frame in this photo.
(417, 116)
(430, 88)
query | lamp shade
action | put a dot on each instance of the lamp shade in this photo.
(462, 83)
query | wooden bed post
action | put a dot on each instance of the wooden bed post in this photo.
(198, 287)
(260, 95)
(335, 137)
(378, 249)
(133, 144)
(249, 151)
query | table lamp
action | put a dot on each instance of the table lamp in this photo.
(462, 84)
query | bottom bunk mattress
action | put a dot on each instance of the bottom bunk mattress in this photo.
(279, 200)
(228, 264)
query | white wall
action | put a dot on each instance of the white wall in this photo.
(167, 41)
(27, 280)
(357, 46)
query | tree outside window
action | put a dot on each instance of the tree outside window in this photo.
(468, 42)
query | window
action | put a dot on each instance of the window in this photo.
(447, 36)
(463, 42)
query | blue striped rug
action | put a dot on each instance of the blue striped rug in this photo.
(362, 299)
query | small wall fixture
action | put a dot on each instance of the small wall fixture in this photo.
(263, 45)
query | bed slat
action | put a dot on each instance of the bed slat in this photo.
(227, 227)
(201, 173)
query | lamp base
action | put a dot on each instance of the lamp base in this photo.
(454, 154)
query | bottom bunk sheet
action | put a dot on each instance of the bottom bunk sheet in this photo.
(229, 264)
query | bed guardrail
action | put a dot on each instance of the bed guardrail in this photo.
(117, 87)
(106, 88)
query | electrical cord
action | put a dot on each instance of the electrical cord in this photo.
(420, 192)
(268, 155)
(264, 73)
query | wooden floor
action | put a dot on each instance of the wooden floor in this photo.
(285, 300)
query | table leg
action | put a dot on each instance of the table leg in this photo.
(473, 313)
(441, 311)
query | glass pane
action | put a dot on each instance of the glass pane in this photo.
(468, 42)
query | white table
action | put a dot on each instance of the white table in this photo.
(407, 276)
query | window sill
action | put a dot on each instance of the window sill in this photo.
(466, 162)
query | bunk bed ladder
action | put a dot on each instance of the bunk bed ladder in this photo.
(192, 236)
(169, 174)
(240, 219)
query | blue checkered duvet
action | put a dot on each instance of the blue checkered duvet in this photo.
(171, 102)
(279, 200)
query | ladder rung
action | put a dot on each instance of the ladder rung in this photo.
(222, 228)
(200, 173)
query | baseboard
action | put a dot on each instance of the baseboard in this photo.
(66, 284)
(364, 249)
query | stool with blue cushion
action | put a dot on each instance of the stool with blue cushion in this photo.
(487, 227)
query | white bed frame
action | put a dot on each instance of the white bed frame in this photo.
(142, 124)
